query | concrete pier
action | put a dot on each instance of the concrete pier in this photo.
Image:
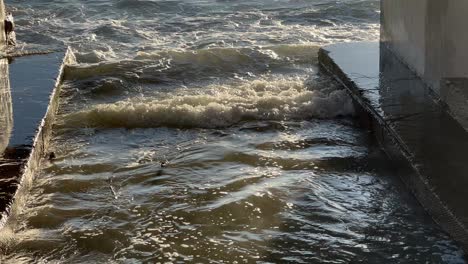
(427, 145)
(31, 100)
(29, 95)
(412, 90)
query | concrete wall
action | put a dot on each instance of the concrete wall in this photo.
(456, 38)
(446, 39)
(431, 37)
(403, 25)
(40, 143)
(2, 28)
(5, 96)
(6, 112)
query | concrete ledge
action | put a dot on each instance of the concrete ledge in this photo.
(35, 88)
(16, 53)
(429, 147)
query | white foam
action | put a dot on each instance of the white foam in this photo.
(220, 106)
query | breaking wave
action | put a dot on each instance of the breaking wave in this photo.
(220, 106)
(175, 64)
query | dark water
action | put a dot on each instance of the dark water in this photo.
(201, 131)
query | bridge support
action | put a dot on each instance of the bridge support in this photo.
(411, 90)
(431, 37)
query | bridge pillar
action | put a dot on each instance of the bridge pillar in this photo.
(431, 37)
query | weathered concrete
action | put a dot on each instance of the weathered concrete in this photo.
(29, 93)
(428, 145)
(35, 91)
(430, 37)
(404, 29)
(6, 114)
(2, 27)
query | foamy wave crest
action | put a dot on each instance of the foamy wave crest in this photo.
(166, 65)
(227, 57)
(220, 106)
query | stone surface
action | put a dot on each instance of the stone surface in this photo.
(412, 126)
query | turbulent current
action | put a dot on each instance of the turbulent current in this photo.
(203, 132)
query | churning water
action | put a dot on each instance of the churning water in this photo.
(201, 131)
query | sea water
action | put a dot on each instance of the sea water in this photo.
(203, 131)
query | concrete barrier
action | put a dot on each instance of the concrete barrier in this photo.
(34, 112)
(426, 144)
(29, 97)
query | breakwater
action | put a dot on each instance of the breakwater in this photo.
(416, 131)
(31, 103)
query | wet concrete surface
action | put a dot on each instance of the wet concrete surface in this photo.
(412, 126)
(32, 80)
(6, 117)
(26, 88)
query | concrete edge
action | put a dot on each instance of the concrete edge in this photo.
(5, 86)
(398, 152)
(21, 53)
(40, 143)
